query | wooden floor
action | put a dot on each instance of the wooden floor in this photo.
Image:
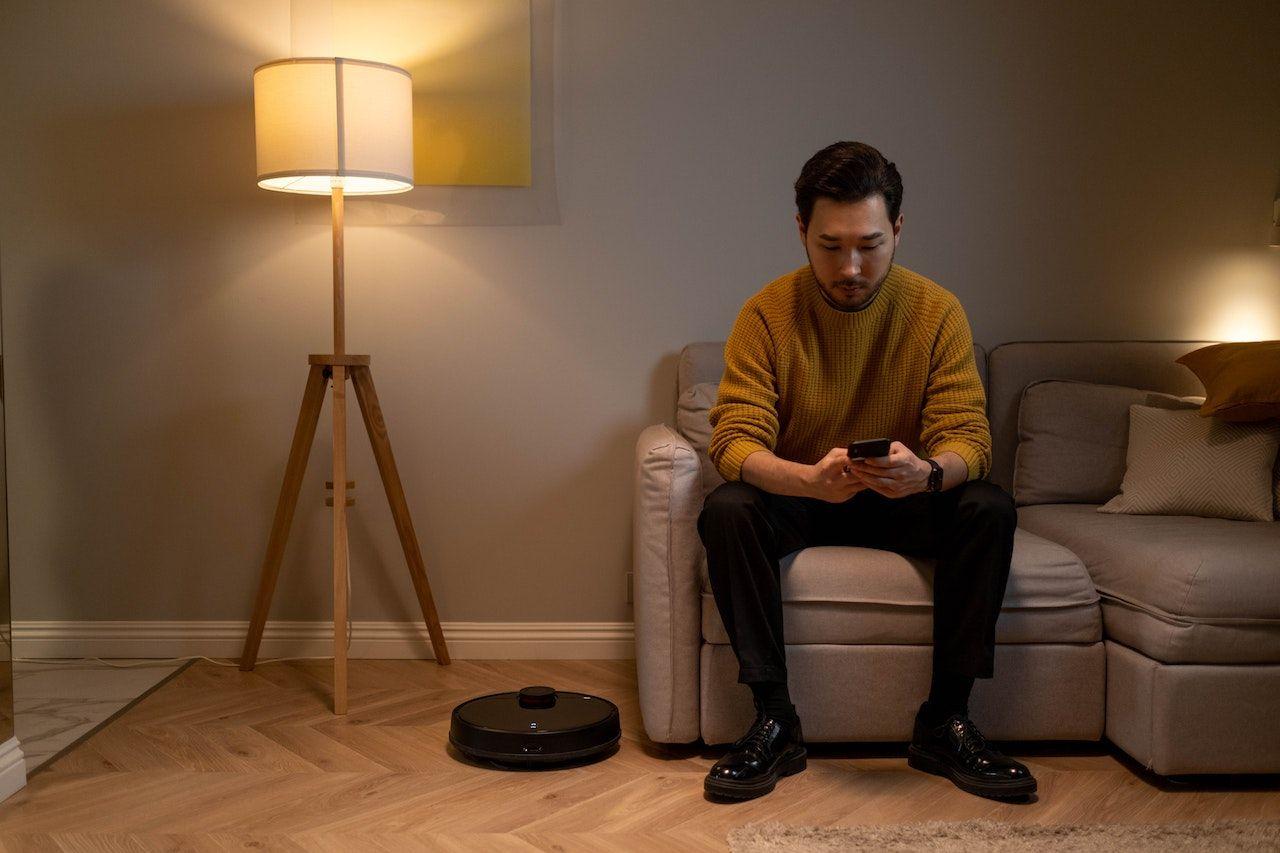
(217, 759)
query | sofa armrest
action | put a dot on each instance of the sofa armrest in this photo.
(667, 590)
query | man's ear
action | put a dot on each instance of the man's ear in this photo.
(800, 225)
(897, 229)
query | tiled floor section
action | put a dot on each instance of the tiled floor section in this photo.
(56, 703)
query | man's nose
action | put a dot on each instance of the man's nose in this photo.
(850, 266)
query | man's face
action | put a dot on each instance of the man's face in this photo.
(850, 247)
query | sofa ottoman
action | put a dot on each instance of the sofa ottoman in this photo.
(1191, 608)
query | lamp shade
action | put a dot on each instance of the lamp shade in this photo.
(318, 119)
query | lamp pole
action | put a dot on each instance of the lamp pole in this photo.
(340, 547)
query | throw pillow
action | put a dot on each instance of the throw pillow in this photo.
(694, 423)
(1072, 438)
(1180, 463)
(1241, 380)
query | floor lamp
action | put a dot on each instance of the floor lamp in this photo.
(336, 127)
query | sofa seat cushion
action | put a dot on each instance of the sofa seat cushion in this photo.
(847, 595)
(1179, 589)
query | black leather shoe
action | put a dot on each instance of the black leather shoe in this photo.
(771, 748)
(957, 750)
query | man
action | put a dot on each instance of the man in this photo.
(854, 347)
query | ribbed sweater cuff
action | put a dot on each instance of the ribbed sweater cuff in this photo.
(735, 452)
(970, 454)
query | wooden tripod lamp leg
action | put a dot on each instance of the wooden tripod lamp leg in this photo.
(374, 424)
(303, 434)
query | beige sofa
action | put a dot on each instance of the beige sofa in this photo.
(1161, 633)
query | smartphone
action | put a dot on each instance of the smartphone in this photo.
(870, 447)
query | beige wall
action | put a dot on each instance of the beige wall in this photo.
(1072, 171)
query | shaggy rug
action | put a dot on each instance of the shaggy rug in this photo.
(988, 836)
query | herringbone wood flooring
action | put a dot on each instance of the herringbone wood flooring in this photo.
(219, 759)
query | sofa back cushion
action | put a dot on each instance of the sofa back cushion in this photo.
(1135, 364)
(699, 362)
(1072, 439)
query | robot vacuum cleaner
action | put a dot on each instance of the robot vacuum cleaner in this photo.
(536, 728)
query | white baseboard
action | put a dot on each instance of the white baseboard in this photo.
(13, 768)
(466, 640)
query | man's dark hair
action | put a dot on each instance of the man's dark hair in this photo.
(847, 172)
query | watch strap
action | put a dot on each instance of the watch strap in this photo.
(935, 476)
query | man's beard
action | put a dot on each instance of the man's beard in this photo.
(872, 292)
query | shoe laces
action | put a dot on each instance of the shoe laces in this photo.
(757, 739)
(971, 740)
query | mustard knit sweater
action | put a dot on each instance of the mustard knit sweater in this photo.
(802, 376)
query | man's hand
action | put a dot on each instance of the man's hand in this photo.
(897, 475)
(831, 478)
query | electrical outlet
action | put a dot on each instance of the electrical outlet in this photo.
(629, 586)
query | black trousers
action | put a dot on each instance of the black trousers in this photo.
(967, 528)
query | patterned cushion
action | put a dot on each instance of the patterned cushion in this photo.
(1181, 463)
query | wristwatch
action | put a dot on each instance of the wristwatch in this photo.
(935, 477)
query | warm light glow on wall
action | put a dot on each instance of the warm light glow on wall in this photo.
(1242, 298)
(1241, 321)
(472, 77)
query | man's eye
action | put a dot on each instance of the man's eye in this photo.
(832, 248)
